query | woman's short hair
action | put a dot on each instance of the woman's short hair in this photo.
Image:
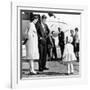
(34, 17)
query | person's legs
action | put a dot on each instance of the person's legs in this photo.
(48, 53)
(54, 51)
(75, 50)
(68, 68)
(51, 53)
(72, 68)
(41, 49)
(62, 50)
(32, 66)
(48, 42)
(77, 56)
(31, 63)
(44, 56)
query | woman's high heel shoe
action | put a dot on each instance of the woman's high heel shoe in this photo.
(33, 72)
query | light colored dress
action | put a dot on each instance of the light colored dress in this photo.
(69, 53)
(32, 51)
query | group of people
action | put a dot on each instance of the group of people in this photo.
(40, 43)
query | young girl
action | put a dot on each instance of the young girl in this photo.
(69, 55)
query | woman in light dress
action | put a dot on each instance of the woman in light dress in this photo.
(69, 55)
(32, 52)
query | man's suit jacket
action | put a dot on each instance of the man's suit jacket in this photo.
(61, 38)
(42, 35)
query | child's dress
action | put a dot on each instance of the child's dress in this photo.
(69, 53)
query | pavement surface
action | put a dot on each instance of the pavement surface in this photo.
(56, 68)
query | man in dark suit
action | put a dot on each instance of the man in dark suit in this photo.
(43, 32)
(61, 41)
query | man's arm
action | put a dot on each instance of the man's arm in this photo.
(38, 30)
(47, 30)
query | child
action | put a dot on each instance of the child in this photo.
(69, 55)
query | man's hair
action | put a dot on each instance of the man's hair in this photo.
(59, 29)
(76, 29)
(44, 17)
(50, 14)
